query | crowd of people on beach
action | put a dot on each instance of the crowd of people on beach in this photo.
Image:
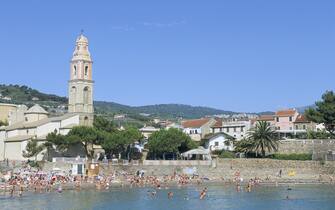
(27, 179)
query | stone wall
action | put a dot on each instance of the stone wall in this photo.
(249, 168)
(321, 149)
(306, 146)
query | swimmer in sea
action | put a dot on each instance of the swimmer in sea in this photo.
(153, 193)
(203, 193)
(249, 187)
(170, 195)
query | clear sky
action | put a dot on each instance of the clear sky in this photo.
(235, 55)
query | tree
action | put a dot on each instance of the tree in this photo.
(169, 141)
(102, 123)
(243, 146)
(324, 112)
(120, 141)
(57, 140)
(85, 136)
(32, 149)
(3, 123)
(262, 138)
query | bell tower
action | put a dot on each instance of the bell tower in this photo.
(81, 83)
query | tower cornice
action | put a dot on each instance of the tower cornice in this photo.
(81, 80)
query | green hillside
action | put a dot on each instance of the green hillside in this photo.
(25, 95)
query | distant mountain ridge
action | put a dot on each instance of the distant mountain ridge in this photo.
(26, 95)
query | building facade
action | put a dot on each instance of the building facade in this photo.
(236, 128)
(81, 83)
(5, 110)
(35, 124)
(197, 129)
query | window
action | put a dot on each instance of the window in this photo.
(290, 118)
(277, 119)
(242, 129)
(227, 130)
(196, 131)
(74, 70)
(86, 120)
(216, 144)
(86, 92)
(234, 129)
(304, 127)
(86, 70)
(296, 127)
(290, 128)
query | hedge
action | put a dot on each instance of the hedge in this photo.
(294, 156)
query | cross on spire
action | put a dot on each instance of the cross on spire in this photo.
(81, 31)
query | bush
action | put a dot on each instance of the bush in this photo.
(223, 154)
(227, 154)
(294, 156)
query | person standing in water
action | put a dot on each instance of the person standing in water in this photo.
(170, 195)
(203, 193)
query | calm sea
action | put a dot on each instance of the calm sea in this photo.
(311, 197)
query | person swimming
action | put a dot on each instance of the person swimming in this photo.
(170, 195)
(153, 193)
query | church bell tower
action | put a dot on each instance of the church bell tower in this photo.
(81, 83)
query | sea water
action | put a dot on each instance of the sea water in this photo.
(307, 197)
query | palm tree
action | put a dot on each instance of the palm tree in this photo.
(263, 138)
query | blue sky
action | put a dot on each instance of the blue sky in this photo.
(234, 55)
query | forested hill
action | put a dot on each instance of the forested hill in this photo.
(29, 96)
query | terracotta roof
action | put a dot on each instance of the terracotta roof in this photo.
(301, 119)
(218, 122)
(195, 123)
(265, 118)
(287, 112)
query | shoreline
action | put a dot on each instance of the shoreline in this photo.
(122, 185)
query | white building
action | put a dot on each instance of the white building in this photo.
(235, 128)
(219, 141)
(34, 123)
(148, 130)
(198, 128)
